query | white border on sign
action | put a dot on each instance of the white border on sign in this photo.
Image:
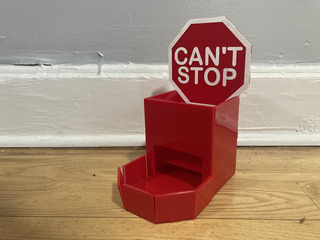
(240, 37)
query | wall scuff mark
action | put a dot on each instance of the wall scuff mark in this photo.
(306, 44)
(310, 124)
(100, 62)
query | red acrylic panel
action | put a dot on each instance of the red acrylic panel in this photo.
(191, 154)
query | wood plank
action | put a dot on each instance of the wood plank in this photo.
(279, 159)
(136, 228)
(82, 183)
(72, 194)
(273, 199)
(279, 176)
(312, 189)
(269, 159)
(61, 182)
(80, 200)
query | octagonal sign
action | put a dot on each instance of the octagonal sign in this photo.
(209, 61)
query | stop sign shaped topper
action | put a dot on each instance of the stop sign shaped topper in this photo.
(209, 61)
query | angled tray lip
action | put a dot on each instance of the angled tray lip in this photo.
(175, 193)
(204, 182)
(138, 189)
(122, 176)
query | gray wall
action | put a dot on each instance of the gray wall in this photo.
(139, 31)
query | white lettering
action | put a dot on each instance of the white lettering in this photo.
(196, 70)
(183, 74)
(224, 50)
(176, 57)
(225, 77)
(234, 54)
(206, 73)
(195, 56)
(215, 59)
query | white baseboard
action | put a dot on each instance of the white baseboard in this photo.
(73, 106)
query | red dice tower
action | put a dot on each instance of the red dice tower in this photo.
(191, 154)
(191, 133)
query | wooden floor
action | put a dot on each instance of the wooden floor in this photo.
(72, 194)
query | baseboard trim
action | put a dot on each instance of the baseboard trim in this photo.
(244, 139)
(88, 106)
(278, 139)
(73, 141)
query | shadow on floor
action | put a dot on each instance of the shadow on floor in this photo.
(116, 196)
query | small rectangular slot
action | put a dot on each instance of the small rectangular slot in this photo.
(184, 160)
(193, 166)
